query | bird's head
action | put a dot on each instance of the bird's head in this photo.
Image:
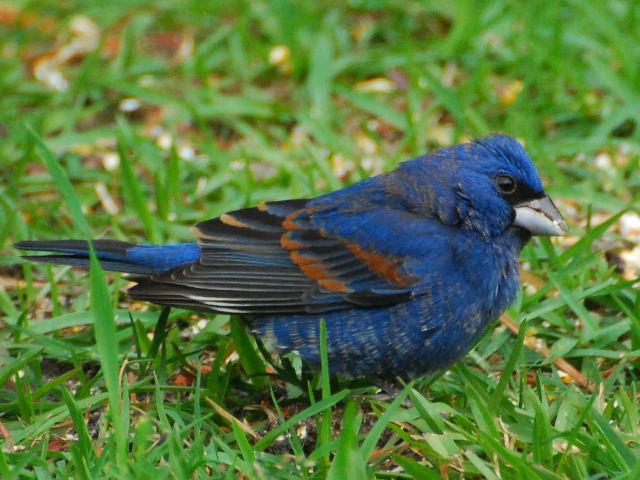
(488, 186)
(499, 187)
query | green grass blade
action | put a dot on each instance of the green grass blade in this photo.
(131, 183)
(349, 462)
(369, 443)
(249, 358)
(107, 347)
(508, 369)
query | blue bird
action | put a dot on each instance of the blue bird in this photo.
(407, 268)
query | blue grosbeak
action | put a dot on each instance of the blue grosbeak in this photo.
(407, 268)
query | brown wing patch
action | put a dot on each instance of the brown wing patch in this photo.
(382, 266)
(228, 219)
(314, 270)
(290, 224)
(302, 260)
(334, 286)
(287, 243)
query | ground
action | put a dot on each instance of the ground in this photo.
(135, 120)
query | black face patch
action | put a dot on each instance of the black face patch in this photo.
(513, 191)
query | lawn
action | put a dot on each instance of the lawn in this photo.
(134, 120)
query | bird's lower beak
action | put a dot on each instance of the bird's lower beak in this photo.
(540, 217)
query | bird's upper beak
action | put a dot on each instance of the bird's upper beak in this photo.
(540, 217)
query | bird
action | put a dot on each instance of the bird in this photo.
(407, 269)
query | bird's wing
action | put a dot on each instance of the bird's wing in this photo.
(274, 259)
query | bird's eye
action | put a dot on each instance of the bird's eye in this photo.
(506, 184)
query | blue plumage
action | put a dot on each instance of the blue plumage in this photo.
(406, 268)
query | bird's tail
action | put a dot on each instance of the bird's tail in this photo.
(114, 255)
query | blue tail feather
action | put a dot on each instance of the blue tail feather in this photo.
(114, 255)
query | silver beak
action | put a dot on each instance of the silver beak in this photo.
(540, 217)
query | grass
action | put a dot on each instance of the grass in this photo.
(168, 113)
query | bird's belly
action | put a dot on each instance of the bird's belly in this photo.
(408, 339)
